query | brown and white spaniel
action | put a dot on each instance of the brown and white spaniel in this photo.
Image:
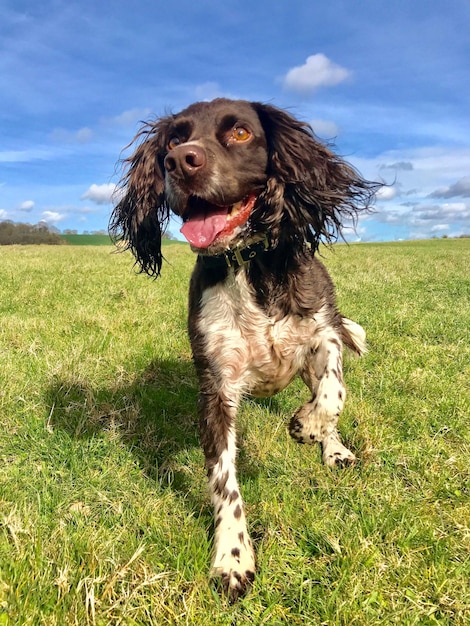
(256, 192)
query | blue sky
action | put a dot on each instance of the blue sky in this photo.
(389, 82)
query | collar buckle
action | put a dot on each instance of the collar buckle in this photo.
(241, 255)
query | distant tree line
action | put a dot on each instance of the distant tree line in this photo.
(23, 234)
(464, 236)
(12, 233)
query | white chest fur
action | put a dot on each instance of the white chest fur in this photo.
(251, 351)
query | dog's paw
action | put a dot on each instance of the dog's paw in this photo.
(305, 426)
(335, 454)
(234, 572)
(296, 429)
(234, 585)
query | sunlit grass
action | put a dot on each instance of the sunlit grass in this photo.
(103, 505)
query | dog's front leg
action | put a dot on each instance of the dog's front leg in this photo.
(316, 421)
(234, 560)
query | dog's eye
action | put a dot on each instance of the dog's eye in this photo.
(174, 141)
(239, 133)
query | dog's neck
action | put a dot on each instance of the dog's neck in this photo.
(239, 256)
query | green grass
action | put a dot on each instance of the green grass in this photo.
(97, 240)
(87, 240)
(104, 512)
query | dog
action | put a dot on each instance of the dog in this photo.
(257, 193)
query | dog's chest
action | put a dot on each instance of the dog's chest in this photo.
(249, 348)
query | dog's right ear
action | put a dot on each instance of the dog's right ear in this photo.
(141, 216)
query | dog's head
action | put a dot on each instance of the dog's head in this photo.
(233, 170)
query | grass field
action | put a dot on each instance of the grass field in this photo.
(95, 240)
(104, 512)
(87, 240)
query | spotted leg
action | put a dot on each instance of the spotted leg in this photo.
(316, 420)
(234, 559)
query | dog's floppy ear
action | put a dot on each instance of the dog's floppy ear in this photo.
(316, 189)
(140, 217)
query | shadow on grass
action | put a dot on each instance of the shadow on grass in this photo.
(155, 414)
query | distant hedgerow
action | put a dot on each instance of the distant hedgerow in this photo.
(22, 234)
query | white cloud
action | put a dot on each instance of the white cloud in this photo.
(404, 166)
(317, 71)
(25, 156)
(392, 214)
(325, 128)
(128, 118)
(100, 194)
(449, 211)
(83, 135)
(27, 205)
(386, 193)
(3, 214)
(422, 219)
(419, 172)
(459, 189)
(208, 91)
(88, 210)
(52, 217)
(428, 162)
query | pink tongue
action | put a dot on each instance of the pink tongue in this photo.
(201, 230)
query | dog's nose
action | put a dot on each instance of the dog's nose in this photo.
(185, 160)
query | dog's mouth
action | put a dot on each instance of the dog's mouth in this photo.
(209, 223)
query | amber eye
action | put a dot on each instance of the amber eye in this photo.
(174, 141)
(239, 133)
